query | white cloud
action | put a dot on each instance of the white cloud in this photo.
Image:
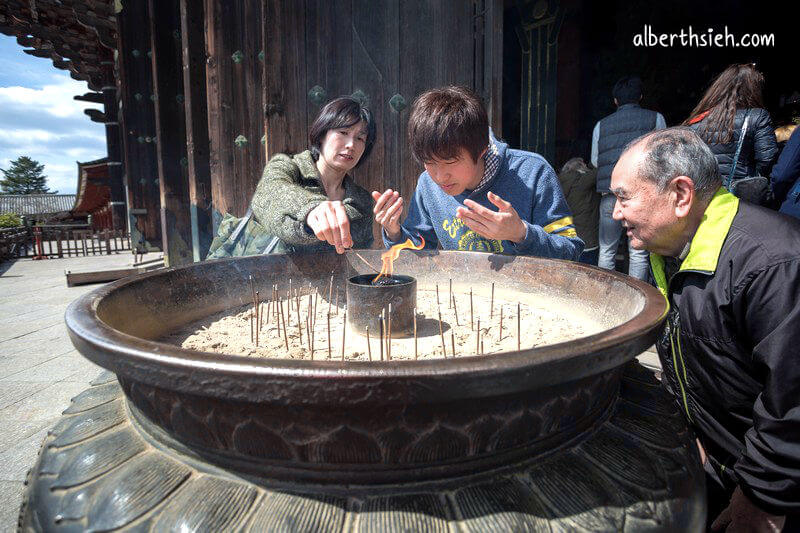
(25, 137)
(39, 118)
(55, 99)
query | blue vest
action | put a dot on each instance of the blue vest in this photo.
(628, 122)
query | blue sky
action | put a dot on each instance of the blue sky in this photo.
(40, 119)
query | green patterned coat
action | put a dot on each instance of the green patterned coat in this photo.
(290, 188)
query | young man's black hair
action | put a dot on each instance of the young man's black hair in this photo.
(628, 90)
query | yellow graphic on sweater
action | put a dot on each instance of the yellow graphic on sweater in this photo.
(469, 240)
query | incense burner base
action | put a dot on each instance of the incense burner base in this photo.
(102, 467)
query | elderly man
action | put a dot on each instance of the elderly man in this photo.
(731, 347)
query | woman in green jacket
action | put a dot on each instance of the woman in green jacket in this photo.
(308, 200)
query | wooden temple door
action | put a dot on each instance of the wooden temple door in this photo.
(384, 53)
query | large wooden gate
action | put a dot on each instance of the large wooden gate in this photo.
(267, 82)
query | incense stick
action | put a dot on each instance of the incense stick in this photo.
(330, 294)
(491, 303)
(471, 323)
(453, 341)
(389, 334)
(441, 333)
(501, 322)
(518, 333)
(478, 339)
(277, 312)
(455, 309)
(369, 347)
(289, 308)
(344, 329)
(437, 295)
(365, 261)
(450, 303)
(336, 305)
(299, 324)
(329, 335)
(285, 335)
(380, 325)
(308, 333)
(416, 354)
(257, 318)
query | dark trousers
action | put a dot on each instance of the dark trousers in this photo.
(719, 498)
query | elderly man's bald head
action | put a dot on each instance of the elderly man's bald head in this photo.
(672, 152)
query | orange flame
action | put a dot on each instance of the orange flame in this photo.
(392, 253)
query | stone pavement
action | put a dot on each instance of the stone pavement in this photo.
(40, 371)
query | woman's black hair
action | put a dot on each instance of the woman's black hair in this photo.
(341, 112)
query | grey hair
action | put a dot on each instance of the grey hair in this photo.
(575, 164)
(678, 151)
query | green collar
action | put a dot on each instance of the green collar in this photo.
(707, 241)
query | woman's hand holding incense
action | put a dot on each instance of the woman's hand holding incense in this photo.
(501, 225)
(330, 223)
(388, 209)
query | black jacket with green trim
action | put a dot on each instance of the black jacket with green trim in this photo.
(730, 349)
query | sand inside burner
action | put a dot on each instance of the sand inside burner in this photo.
(542, 322)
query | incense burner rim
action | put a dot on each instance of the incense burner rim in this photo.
(254, 379)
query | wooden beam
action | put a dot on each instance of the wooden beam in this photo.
(176, 226)
(96, 115)
(196, 106)
(115, 168)
(138, 127)
(44, 52)
(104, 276)
(93, 97)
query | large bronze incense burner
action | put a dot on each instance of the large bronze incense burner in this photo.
(566, 436)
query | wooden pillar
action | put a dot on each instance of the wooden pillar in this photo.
(165, 38)
(114, 149)
(196, 109)
(138, 123)
(234, 73)
(539, 40)
(489, 71)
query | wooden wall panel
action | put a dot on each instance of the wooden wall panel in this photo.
(376, 74)
(376, 50)
(235, 102)
(176, 226)
(138, 122)
(445, 58)
(197, 144)
(285, 87)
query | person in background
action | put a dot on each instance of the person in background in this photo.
(718, 118)
(609, 137)
(786, 177)
(578, 182)
(730, 272)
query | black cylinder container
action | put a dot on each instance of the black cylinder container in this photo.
(366, 301)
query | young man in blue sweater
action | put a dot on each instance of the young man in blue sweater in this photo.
(476, 193)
